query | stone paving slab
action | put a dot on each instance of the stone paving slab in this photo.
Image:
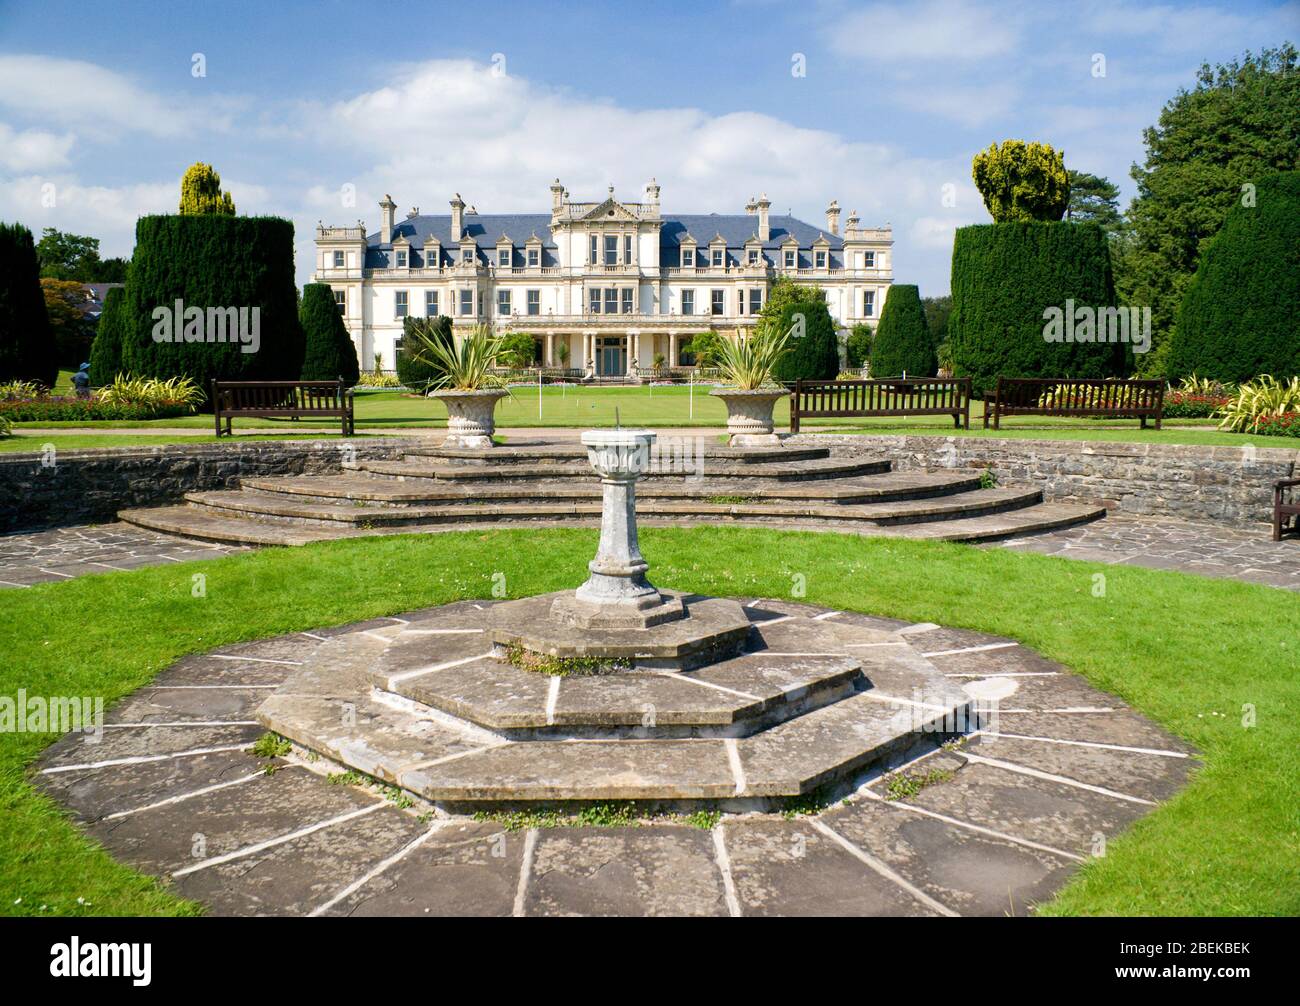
(143, 743)
(176, 836)
(1061, 817)
(463, 868)
(625, 871)
(968, 872)
(1149, 776)
(791, 868)
(297, 876)
(1122, 727)
(94, 793)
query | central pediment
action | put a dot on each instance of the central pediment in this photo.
(610, 209)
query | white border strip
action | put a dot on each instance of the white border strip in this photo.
(271, 843)
(396, 678)
(971, 649)
(883, 870)
(392, 860)
(1088, 744)
(143, 759)
(185, 796)
(724, 868)
(1049, 777)
(525, 871)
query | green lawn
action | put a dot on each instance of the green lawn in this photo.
(1186, 651)
(32, 442)
(385, 411)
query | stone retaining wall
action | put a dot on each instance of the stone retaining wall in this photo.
(90, 486)
(1231, 485)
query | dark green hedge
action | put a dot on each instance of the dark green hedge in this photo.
(329, 352)
(1240, 315)
(26, 343)
(106, 350)
(1003, 277)
(902, 344)
(416, 374)
(213, 262)
(813, 356)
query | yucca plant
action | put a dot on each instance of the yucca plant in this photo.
(151, 391)
(20, 391)
(1193, 385)
(1263, 398)
(748, 363)
(465, 365)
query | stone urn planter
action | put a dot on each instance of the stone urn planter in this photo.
(470, 419)
(749, 415)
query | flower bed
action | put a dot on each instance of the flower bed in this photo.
(59, 410)
(1193, 405)
(1285, 425)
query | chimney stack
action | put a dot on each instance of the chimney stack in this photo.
(764, 229)
(750, 207)
(557, 197)
(386, 209)
(457, 211)
(652, 196)
(833, 217)
(852, 222)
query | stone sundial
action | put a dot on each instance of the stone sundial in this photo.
(617, 613)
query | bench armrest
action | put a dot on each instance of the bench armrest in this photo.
(1286, 484)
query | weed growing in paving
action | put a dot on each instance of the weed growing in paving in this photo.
(617, 814)
(563, 667)
(908, 784)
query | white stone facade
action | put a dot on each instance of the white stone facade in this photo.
(618, 283)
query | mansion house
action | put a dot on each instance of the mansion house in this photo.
(617, 283)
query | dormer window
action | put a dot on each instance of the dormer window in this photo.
(820, 260)
(791, 259)
(688, 258)
(753, 256)
(717, 258)
(534, 256)
(503, 258)
(401, 259)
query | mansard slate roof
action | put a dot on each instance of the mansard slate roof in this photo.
(486, 228)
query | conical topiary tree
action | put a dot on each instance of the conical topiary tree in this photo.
(1238, 316)
(812, 352)
(26, 344)
(902, 344)
(329, 352)
(106, 350)
(418, 374)
(201, 192)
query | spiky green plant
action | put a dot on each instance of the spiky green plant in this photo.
(465, 365)
(18, 391)
(1265, 397)
(748, 363)
(151, 391)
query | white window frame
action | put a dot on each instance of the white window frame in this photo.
(533, 300)
(505, 303)
(628, 301)
(401, 303)
(402, 258)
(688, 302)
(466, 291)
(717, 303)
(820, 259)
(718, 258)
(868, 303)
(688, 258)
(431, 303)
(341, 301)
(534, 257)
(340, 260)
(792, 259)
(611, 250)
(504, 258)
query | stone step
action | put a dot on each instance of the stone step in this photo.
(380, 492)
(416, 468)
(207, 525)
(544, 453)
(288, 509)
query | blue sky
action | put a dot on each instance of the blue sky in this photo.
(101, 112)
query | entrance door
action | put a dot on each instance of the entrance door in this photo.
(611, 357)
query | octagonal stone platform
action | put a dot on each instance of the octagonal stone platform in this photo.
(796, 704)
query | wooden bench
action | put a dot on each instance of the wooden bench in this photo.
(899, 396)
(1035, 396)
(1286, 508)
(282, 400)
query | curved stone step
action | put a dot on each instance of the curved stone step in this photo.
(359, 486)
(288, 509)
(549, 453)
(232, 528)
(829, 468)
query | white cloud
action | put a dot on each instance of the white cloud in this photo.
(94, 100)
(933, 30)
(33, 149)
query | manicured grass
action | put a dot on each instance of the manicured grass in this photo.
(563, 406)
(1188, 652)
